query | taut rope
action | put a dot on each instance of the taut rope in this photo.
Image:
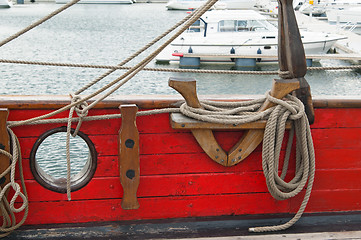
(37, 23)
(158, 69)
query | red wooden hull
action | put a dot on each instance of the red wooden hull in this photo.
(179, 180)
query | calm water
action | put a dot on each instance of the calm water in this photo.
(107, 34)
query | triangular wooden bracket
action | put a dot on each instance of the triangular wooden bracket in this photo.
(250, 139)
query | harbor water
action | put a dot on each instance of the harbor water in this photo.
(106, 35)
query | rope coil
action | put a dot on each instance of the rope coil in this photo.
(290, 109)
(8, 209)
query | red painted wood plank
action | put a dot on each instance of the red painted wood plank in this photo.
(337, 118)
(168, 143)
(189, 206)
(338, 158)
(167, 185)
(193, 184)
(146, 124)
(340, 179)
(330, 201)
(153, 208)
(337, 138)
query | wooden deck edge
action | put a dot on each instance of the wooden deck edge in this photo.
(223, 228)
(156, 101)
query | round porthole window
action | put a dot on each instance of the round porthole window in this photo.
(48, 160)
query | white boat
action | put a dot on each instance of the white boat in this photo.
(98, 1)
(6, 3)
(221, 4)
(242, 32)
(317, 9)
(320, 8)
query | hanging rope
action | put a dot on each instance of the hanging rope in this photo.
(8, 209)
(291, 109)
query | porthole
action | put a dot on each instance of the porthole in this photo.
(48, 160)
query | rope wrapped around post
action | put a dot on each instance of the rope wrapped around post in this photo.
(289, 109)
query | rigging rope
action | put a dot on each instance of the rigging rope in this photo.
(120, 67)
(37, 23)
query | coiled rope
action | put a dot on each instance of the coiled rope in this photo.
(291, 109)
(8, 209)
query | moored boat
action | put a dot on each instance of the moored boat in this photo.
(98, 1)
(160, 164)
(239, 32)
(222, 4)
(6, 3)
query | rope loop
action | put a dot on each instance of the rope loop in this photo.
(290, 108)
(291, 104)
(81, 109)
(8, 209)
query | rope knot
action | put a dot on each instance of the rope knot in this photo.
(81, 108)
(292, 104)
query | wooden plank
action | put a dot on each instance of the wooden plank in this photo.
(195, 185)
(189, 206)
(151, 101)
(337, 138)
(179, 121)
(129, 156)
(330, 201)
(193, 163)
(337, 118)
(154, 208)
(168, 186)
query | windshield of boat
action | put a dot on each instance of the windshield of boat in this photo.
(245, 26)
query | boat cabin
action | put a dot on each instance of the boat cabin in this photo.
(232, 21)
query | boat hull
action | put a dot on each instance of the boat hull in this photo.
(6, 4)
(172, 52)
(98, 1)
(177, 179)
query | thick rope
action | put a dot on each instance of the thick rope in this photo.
(305, 157)
(120, 67)
(126, 76)
(291, 109)
(76, 65)
(8, 209)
